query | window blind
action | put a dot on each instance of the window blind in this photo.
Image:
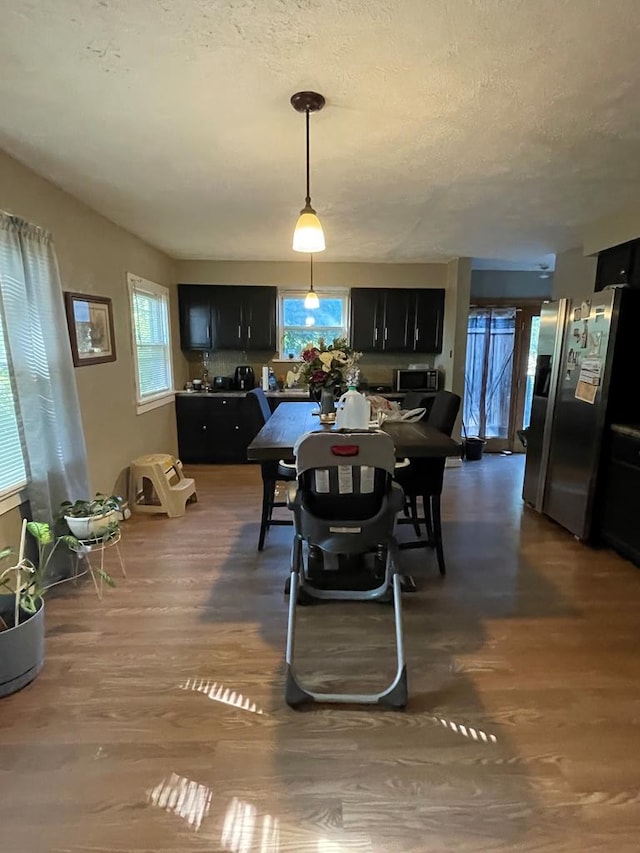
(12, 468)
(152, 342)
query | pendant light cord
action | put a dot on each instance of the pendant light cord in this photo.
(311, 270)
(308, 193)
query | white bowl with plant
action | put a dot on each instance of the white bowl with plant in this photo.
(92, 519)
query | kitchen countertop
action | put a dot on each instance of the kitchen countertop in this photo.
(288, 394)
(292, 392)
(632, 430)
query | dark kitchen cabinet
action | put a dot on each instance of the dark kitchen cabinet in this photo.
(619, 265)
(219, 317)
(213, 428)
(428, 320)
(620, 508)
(397, 331)
(195, 317)
(397, 319)
(365, 307)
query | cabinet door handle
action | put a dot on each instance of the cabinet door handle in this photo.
(386, 333)
(224, 402)
(248, 333)
(204, 427)
(239, 331)
(236, 427)
(375, 336)
(417, 333)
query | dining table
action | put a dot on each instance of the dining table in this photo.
(412, 439)
(290, 421)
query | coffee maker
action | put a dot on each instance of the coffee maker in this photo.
(244, 379)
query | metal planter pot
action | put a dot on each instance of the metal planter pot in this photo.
(21, 648)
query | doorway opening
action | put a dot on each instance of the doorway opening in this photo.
(502, 345)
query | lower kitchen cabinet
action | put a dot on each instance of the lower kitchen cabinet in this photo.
(213, 428)
(620, 508)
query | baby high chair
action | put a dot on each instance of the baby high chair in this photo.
(345, 505)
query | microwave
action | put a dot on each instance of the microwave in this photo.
(425, 379)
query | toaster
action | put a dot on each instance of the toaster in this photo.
(222, 383)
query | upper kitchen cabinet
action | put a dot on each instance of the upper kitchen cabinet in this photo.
(195, 317)
(428, 320)
(619, 265)
(219, 317)
(397, 319)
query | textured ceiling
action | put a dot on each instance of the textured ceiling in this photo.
(489, 128)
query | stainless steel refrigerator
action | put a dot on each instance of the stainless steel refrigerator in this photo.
(550, 341)
(583, 356)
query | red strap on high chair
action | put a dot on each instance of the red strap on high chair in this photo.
(345, 449)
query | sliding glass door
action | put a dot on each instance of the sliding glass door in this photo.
(501, 346)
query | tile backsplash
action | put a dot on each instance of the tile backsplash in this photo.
(375, 368)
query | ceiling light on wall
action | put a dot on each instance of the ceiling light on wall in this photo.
(311, 299)
(543, 271)
(308, 235)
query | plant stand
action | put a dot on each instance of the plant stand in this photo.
(92, 547)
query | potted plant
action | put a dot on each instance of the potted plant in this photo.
(92, 519)
(22, 586)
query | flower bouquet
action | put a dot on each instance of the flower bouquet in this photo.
(329, 366)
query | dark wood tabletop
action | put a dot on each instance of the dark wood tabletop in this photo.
(291, 420)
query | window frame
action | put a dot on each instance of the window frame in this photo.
(338, 293)
(148, 402)
(12, 496)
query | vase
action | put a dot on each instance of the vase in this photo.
(315, 392)
(327, 402)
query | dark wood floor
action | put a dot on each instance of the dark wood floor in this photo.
(158, 723)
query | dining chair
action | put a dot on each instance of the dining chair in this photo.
(423, 478)
(418, 400)
(272, 471)
(344, 508)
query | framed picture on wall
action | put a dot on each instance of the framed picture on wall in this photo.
(90, 321)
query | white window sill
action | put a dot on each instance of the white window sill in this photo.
(12, 500)
(155, 402)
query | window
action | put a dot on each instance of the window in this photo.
(151, 343)
(13, 474)
(300, 326)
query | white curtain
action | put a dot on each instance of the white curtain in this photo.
(43, 372)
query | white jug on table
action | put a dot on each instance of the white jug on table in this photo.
(354, 410)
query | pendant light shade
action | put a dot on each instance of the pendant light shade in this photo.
(311, 299)
(308, 235)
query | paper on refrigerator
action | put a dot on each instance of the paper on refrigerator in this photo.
(589, 379)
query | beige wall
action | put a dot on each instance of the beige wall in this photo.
(375, 368)
(295, 275)
(94, 256)
(611, 230)
(454, 344)
(575, 274)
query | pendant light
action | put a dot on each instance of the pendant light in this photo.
(311, 299)
(308, 235)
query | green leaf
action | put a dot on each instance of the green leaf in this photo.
(28, 603)
(6, 552)
(71, 542)
(41, 532)
(106, 577)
